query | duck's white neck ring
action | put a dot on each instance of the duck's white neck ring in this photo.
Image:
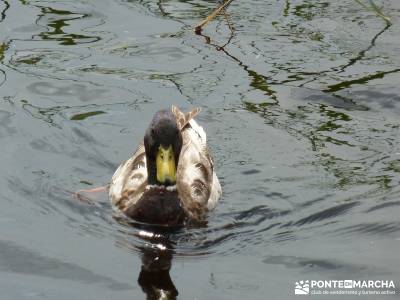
(169, 188)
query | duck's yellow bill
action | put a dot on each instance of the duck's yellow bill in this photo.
(165, 163)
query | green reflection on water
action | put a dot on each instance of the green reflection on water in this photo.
(58, 25)
(345, 84)
(30, 60)
(287, 8)
(3, 49)
(259, 82)
(309, 9)
(326, 129)
(260, 108)
(83, 116)
(331, 124)
(393, 165)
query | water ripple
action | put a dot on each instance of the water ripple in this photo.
(379, 229)
(328, 213)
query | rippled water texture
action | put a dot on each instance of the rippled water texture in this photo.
(301, 103)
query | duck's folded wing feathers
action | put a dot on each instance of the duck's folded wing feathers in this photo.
(129, 181)
(197, 184)
(215, 193)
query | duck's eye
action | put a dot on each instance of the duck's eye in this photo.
(162, 156)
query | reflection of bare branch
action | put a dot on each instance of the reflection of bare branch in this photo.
(259, 81)
(375, 9)
(3, 13)
(359, 57)
(361, 54)
(231, 28)
(228, 21)
(332, 89)
(209, 18)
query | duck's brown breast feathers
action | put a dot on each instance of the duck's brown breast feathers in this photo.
(158, 206)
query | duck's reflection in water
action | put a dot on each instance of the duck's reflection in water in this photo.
(154, 277)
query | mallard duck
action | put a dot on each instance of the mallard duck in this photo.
(170, 178)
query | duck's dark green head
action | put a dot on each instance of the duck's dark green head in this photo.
(163, 143)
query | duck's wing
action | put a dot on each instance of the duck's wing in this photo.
(129, 181)
(197, 183)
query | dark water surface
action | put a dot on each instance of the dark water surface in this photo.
(302, 111)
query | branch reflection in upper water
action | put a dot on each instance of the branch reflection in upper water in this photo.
(56, 20)
(259, 81)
